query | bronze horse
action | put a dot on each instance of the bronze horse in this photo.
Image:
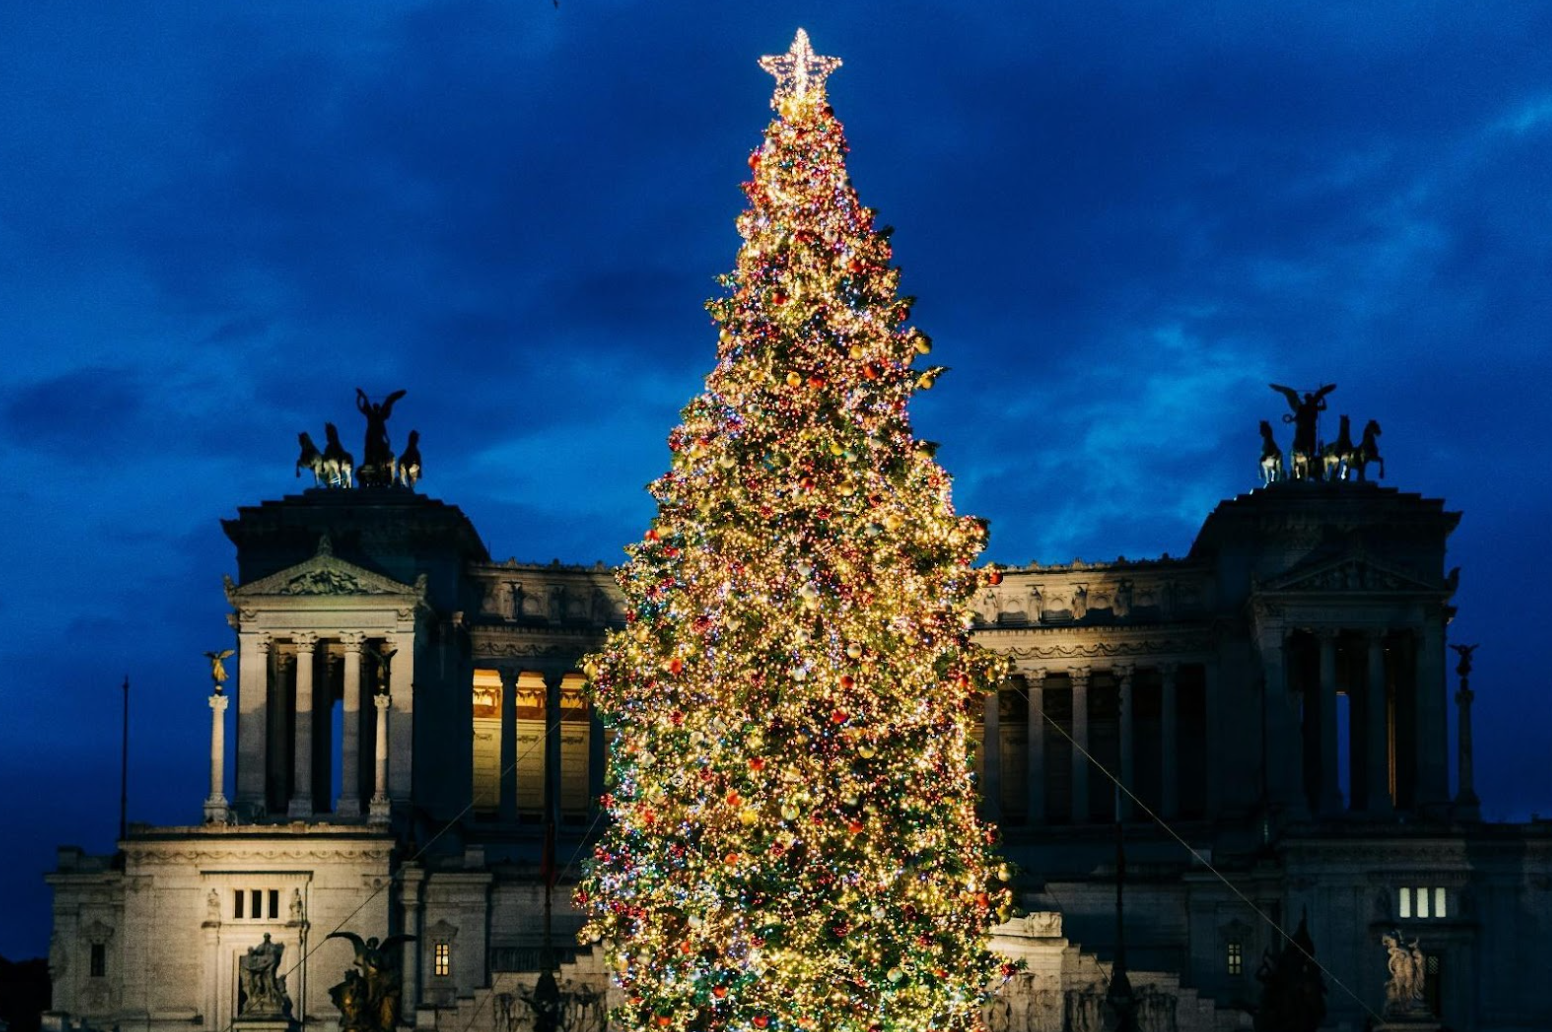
(1368, 450)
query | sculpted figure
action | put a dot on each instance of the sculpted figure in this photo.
(1404, 988)
(407, 469)
(1305, 414)
(338, 464)
(370, 997)
(1272, 469)
(377, 462)
(1368, 450)
(1336, 458)
(218, 667)
(310, 459)
(263, 986)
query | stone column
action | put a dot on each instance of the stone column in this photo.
(216, 811)
(1467, 806)
(991, 755)
(1282, 746)
(252, 698)
(597, 755)
(508, 777)
(1123, 675)
(401, 676)
(412, 879)
(1433, 788)
(1036, 774)
(1330, 787)
(349, 804)
(1169, 737)
(301, 806)
(378, 808)
(552, 747)
(1080, 738)
(1376, 713)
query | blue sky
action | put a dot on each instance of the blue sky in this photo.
(1122, 220)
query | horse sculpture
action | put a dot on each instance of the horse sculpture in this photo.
(339, 465)
(1336, 458)
(1368, 450)
(1272, 469)
(406, 468)
(311, 458)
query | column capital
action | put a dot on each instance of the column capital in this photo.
(1079, 675)
(352, 641)
(261, 641)
(1169, 670)
(382, 700)
(218, 702)
(1375, 634)
(1325, 634)
(1123, 671)
(305, 641)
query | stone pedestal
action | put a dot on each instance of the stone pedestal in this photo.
(1409, 1025)
(242, 1024)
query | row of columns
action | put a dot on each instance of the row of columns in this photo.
(1285, 745)
(254, 681)
(1080, 677)
(553, 681)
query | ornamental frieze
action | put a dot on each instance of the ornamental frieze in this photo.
(1106, 649)
(183, 857)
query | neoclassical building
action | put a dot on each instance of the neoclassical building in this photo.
(412, 741)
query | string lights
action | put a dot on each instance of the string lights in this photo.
(793, 843)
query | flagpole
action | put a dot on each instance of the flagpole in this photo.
(124, 768)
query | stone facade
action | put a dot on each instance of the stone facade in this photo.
(1274, 704)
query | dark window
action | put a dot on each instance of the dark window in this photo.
(99, 960)
(1235, 960)
(274, 904)
(237, 904)
(1433, 968)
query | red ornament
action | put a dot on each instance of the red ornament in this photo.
(995, 577)
(755, 763)
(760, 1021)
(838, 717)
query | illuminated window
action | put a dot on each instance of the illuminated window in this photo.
(99, 965)
(1422, 902)
(1235, 960)
(442, 960)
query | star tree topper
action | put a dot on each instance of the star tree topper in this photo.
(799, 70)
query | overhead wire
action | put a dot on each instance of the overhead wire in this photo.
(1200, 858)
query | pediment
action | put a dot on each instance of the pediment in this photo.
(1349, 574)
(325, 574)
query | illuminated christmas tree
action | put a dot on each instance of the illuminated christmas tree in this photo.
(793, 841)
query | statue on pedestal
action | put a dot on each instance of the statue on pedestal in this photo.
(370, 997)
(377, 467)
(263, 986)
(218, 667)
(1304, 417)
(1404, 987)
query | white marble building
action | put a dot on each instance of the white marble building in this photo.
(409, 719)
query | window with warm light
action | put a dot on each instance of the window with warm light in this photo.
(1422, 902)
(1235, 958)
(442, 960)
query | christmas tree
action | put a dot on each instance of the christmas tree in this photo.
(793, 841)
